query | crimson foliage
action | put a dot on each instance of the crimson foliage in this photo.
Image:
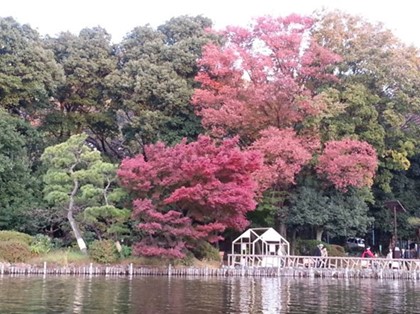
(262, 76)
(189, 192)
(348, 163)
(284, 155)
(262, 85)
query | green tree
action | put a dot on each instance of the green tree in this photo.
(81, 103)
(377, 94)
(405, 186)
(376, 100)
(351, 113)
(102, 215)
(75, 173)
(155, 79)
(17, 161)
(29, 73)
(341, 214)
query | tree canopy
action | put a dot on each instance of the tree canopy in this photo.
(153, 83)
(266, 85)
(29, 74)
(18, 186)
(262, 76)
(313, 121)
(189, 192)
(76, 180)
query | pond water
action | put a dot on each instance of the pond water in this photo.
(205, 295)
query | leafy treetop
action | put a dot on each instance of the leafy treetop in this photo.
(262, 76)
(348, 163)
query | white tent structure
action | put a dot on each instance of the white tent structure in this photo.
(261, 247)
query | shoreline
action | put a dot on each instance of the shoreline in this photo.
(130, 270)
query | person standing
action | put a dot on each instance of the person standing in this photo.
(368, 253)
(318, 253)
(324, 254)
(389, 256)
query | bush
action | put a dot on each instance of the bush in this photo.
(336, 250)
(126, 251)
(205, 251)
(103, 251)
(13, 251)
(41, 244)
(8, 235)
(57, 243)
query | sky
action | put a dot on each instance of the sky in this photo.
(119, 17)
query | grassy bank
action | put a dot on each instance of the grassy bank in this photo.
(75, 258)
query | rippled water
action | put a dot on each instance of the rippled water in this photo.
(206, 295)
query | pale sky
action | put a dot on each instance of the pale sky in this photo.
(121, 16)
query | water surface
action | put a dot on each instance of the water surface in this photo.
(21, 294)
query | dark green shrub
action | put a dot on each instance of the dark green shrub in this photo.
(57, 243)
(103, 251)
(8, 235)
(336, 250)
(41, 244)
(125, 251)
(205, 251)
(14, 251)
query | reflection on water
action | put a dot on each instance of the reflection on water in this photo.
(205, 295)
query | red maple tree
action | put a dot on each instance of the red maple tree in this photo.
(348, 163)
(262, 76)
(189, 192)
(284, 155)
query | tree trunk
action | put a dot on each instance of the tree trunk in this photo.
(283, 230)
(80, 242)
(293, 242)
(281, 217)
(392, 243)
(319, 232)
(280, 222)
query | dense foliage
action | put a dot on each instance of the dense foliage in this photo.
(179, 136)
(263, 85)
(76, 178)
(14, 251)
(190, 192)
(103, 251)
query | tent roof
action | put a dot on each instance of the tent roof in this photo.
(264, 234)
(270, 235)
